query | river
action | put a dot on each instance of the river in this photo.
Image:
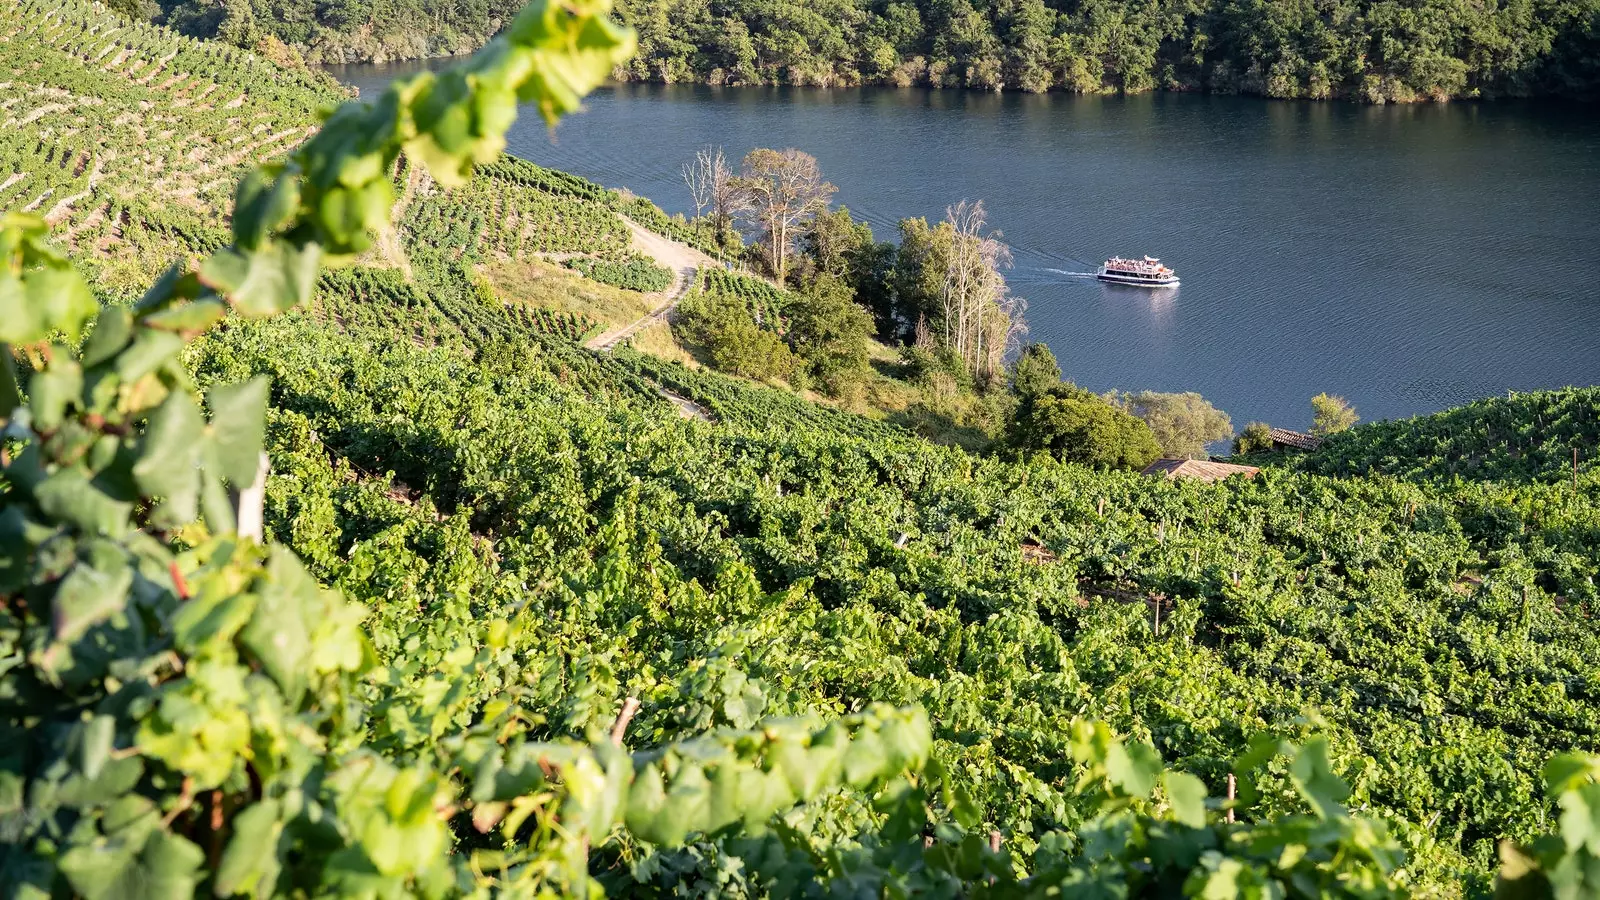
(1409, 258)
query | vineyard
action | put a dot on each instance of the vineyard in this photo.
(491, 216)
(738, 403)
(764, 302)
(510, 626)
(633, 272)
(1522, 437)
(1003, 599)
(381, 303)
(128, 139)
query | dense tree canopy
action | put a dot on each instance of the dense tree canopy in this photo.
(1373, 50)
(1377, 51)
(831, 331)
(1075, 425)
(1034, 371)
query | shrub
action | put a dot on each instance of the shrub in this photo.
(1256, 437)
(1331, 415)
(1182, 423)
(1074, 425)
(722, 326)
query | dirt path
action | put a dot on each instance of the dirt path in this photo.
(686, 407)
(681, 259)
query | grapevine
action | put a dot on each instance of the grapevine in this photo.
(864, 663)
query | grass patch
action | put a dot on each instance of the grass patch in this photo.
(658, 340)
(535, 282)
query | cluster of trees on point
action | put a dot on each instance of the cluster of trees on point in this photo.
(939, 297)
(939, 293)
(1374, 50)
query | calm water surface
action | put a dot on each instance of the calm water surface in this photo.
(1409, 258)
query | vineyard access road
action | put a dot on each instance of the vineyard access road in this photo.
(679, 258)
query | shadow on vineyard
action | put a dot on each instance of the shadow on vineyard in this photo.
(327, 573)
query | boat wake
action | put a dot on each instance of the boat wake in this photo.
(1042, 275)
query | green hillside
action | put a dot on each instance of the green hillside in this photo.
(1369, 50)
(866, 665)
(1520, 437)
(129, 140)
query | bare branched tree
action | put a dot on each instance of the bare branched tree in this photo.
(702, 175)
(699, 185)
(781, 192)
(981, 320)
(727, 201)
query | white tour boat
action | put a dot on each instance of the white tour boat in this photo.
(1147, 272)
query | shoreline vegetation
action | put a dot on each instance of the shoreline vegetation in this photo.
(1372, 51)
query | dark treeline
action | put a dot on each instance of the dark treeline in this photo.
(336, 30)
(1371, 50)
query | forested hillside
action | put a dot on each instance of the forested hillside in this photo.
(1368, 50)
(1371, 51)
(513, 624)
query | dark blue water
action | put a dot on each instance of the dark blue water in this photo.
(1408, 258)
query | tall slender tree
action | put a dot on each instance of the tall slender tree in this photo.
(712, 186)
(980, 318)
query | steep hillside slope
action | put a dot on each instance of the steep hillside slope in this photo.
(1442, 639)
(1529, 437)
(534, 533)
(128, 139)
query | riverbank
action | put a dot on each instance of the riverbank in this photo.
(1373, 252)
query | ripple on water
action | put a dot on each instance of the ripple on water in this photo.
(1409, 258)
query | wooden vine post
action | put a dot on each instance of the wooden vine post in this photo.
(620, 726)
(994, 847)
(1233, 785)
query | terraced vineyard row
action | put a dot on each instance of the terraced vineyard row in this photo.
(381, 301)
(552, 181)
(1521, 437)
(150, 61)
(765, 302)
(491, 216)
(632, 272)
(739, 403)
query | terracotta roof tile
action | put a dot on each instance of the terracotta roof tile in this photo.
(1296, 439)
(1202, 469)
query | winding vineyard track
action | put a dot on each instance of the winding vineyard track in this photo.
(679, 258)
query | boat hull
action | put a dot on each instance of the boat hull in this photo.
(1137, 282)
